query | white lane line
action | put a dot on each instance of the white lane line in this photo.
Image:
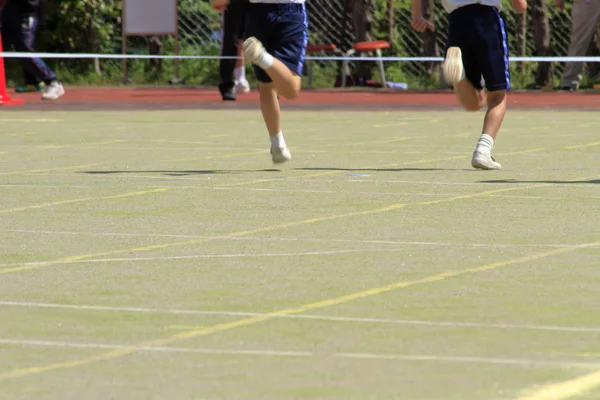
(377, 193)
(198, 256)
(65, 186)
(448, 324)
(288, 239)
(286, 353)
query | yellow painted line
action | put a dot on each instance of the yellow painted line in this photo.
(205, 331)
(250, 153)
(185, 327)
(29, 120)
(516, 153)
(583, 145)
(66, 146)
(33, 171)
(196, 241)
(25, 134)
(334, 172)
(71, 201)
(271, 228)
(567, 389)
(399, 123)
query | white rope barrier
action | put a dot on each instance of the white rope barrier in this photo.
(324, 58)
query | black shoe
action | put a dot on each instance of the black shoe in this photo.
(227, 92)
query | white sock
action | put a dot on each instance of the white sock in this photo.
(265, 61)
(240, 73)
(277, 140)
(485, 144)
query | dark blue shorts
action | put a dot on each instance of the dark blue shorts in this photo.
(283, 30)
(480, 33)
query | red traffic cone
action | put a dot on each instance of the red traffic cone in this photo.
(5, 99)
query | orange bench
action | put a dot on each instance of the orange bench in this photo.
(317, 48)
(364, 47)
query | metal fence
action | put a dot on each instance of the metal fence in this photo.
(331, 22)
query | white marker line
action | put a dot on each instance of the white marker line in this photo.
(197, 256)
(286, 353)
(447, 324)
(287, 239)
(65, 186)
(416, 194)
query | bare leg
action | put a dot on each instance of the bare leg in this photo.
(269, 105)
(482, 156)
(470, 98)
(496, 102)
(288, 82)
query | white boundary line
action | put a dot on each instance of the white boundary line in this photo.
(285, 353)
(197, 256)
(289, 239)
(10, 54)
(448, 324)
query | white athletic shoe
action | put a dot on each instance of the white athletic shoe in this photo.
(280, 155)
(484, 161)
(453, 68)
(253, 49)
(242, 86)
(53, 91)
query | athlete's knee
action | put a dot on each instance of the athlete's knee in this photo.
(290, 93)
(475, 103)
(291, 90)
(496, 98)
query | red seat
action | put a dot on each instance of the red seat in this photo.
(370, 46)
(320, 47)
(363, 47)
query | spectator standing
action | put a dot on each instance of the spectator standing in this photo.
(585, 15)
(20, 19)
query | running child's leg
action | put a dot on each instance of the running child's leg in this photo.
(288, 82)
(470, 97)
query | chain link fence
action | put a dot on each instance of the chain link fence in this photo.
(338, 22)
(331, 22)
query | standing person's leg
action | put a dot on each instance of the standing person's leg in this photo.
(228, 49)
(584, 17)
(541, 33)
(241, 83)
(36, 66)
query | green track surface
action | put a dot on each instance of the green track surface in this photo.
(160, 255)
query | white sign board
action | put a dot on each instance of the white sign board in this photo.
(149, 17)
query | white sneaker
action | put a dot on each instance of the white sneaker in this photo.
(253, 49)
(280, 155)
(453, 68)
(53, 91)
(242, 86)
(484, 161)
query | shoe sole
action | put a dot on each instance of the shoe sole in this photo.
(252, 49)
(280, 158)
(480, 164)
(453, 66)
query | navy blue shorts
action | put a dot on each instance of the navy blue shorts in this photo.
(480, 33)
(283, 30)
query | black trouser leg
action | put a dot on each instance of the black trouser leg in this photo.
(232, 25)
